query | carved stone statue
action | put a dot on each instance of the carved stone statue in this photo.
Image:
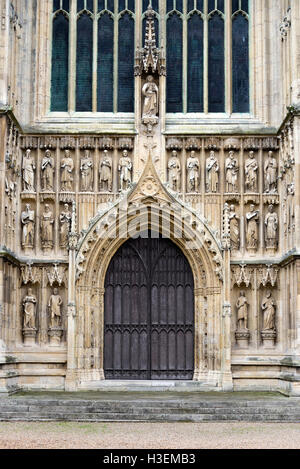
(65, 225)
(106, 172)
(67, 166)
(270, 173)
(268, 307)
(193, 172)
(28, 172)
(251, 167)
(212, 173)
(29, 306)
(271, 224)
(242, 312)
(174, 168)
(54, 305)
(252, 218)
(234, 228)
(125, 168)
(47, 222)
(28, 222)
(47, 171)
(232, 169)
(86, 168)
(150, 91)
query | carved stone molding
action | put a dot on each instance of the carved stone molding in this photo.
(67, 143)
(193, 143)
(267, 275)
(232, 143)
(31, 274)
(252, 143)
(174, 144)
(57, 274)
(125, 143)
(87, 143)
(48, 142)
(106, 143)
(212, 143)
(241, 275)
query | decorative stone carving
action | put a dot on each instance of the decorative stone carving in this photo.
(271, 229)
(105, 172)
(55, 326)
(47, 222)
(242, 274)
(29, 318)
(242, 333)
(86, 169)
(268, 332)
(31, 274)
(212, 173)
(125, 169)
(67, 166)
(193, 143)
(174, 168)
(65, 225)
(174, 144)
(270, 173)
(231, 170)
(267, 275)
(286, 24)
(252, 218)
(251, 167)
(234, 229)
(47, 172)
(150, 93)
(56, 274)
(193, 178)
(28, 172)
(28, 222)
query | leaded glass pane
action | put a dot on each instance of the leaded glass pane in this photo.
(80, 5)
(174, 64)
(170, 4)
(195, 64)
(66, 5)
(126, 64)
(221, 5)
(179, 5)
(240, 64)
(211, 5)
(60, 60)
(245, 5)
(101, 5)
(200, 5)
(131, 5)
(191, 5)
(235, 5)
(90, 5)
(216, 73)
(122, 5)
(110, 5)
(105, 63)
(56, 5)
(84, 61)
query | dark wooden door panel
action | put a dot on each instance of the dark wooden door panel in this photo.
(149, 312)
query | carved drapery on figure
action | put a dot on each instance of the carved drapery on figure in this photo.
(47, 172)
(212, 173)
(54, 305)
(28, 222)
(150, 93)
(193, 166)
(268, 307)
(125, 168)
(270, 173)
(252, 218)
(28, 172)
(234, 228)
(242, 312)
(29, 308)
(86, 169)
(67, 166)
(65, 225)
(105, 171)
(232, 169)
(174, 168)
(251, 167)
(271, 228)
(47, 222)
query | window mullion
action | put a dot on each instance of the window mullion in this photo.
(228, 57)
(116, 45)
(72, 56)
(95, 55)
(205, 57)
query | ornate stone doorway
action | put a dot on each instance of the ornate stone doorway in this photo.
(149, 312)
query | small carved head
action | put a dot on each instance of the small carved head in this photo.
(48, 152)
(150, 78)
(28, 151)
(270, 208)
(232, 208)
(55, 291)
(242, 293)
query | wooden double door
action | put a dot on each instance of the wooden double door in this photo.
(149, 312)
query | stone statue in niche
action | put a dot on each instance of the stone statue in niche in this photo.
(270, 173)
(54, 305)
(28, 222)
(271, 224)
(86, 169)
(193, 173)
(125, 168)
(268, 307)
(65, 225)
(67, 166)
(242, 312)
(212, 173)
(232, 169)
(29, 306)
(28, 172)
(47, 171)
(47, 222)
(106, 173)
(234, 228)
(150, 92)
(252, 218)
(251, 167)
(174, 168)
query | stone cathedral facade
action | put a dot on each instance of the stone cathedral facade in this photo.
(150, 193)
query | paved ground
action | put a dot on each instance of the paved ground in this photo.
(149, 435)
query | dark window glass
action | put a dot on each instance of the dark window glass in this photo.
(221, 5)
(174, 64)
(200, 5)
(235, 5)
(56, 5)
(60, 60)
(80, 5)
(195, 64)
(245, 5)
(240, 64)
(105, 64)
(90, 5)
(121, 5)
(211, 5)
(170, 4)
(216, 74)
(131, 5)
(84, 62)
(146, 3)
(179, 5)
(155, 5)
(111, 5)
(126, 64)
(66, 5)
(101, 5)
(191, 4)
